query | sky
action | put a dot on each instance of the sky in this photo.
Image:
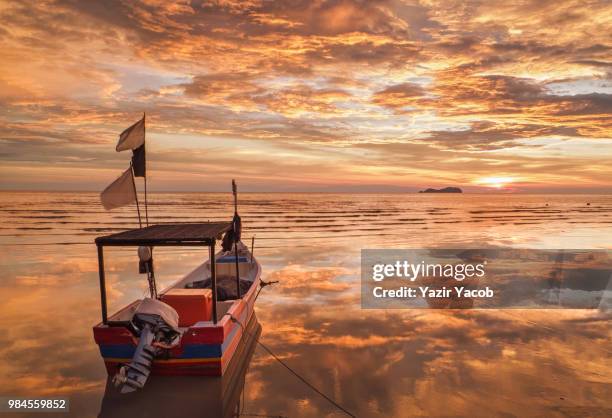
(332, 96)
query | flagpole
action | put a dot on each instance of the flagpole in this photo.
(135, 194)
(146, 207)
(144, 127)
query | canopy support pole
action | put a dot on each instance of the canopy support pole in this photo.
(102, 283)
(213, 278)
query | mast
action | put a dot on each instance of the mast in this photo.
(235, 226)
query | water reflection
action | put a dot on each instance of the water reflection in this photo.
(379, 363)
(193, 396)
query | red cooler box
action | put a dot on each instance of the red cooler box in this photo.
(192, 305)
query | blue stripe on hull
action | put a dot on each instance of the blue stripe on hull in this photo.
(189, 351)
(231, 259)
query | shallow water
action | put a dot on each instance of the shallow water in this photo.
(373, 362)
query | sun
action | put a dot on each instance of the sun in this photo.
(495, 182)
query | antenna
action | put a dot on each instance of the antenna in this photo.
(235, 192)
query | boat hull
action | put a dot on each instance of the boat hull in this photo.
(211, 396)
(206, 349)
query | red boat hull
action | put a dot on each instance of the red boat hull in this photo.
(205, 349)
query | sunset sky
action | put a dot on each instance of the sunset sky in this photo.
(339, 95)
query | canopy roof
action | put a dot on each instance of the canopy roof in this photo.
(183, 234)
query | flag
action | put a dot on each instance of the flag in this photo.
(133, 137)
(120, 192)
(139, 161)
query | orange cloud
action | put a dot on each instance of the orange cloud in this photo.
(443, 82)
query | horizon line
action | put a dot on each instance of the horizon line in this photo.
(492, 192)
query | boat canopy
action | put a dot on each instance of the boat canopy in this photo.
(183, 234)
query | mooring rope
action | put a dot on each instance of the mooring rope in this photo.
(296, 374)
(307, 383)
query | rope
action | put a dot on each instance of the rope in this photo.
(296, 374)
(263, 284)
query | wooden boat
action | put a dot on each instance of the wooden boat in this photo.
(194, 326)
(213, 304)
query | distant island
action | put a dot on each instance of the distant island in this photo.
(444, 190)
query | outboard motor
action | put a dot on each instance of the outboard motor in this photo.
(156, 323)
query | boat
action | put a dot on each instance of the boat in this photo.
(194, 326)
(188, 396)
(190, 328)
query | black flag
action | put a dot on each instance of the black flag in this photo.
(139, 161)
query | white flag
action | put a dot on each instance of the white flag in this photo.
(120, 192)
(133, 137)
